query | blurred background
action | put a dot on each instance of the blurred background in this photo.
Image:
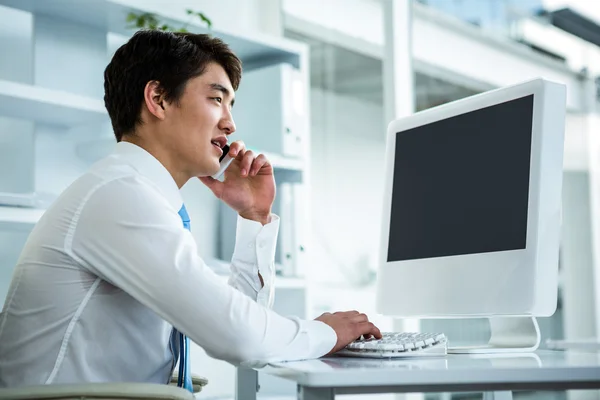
(322, 79)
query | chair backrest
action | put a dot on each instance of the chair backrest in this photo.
(97, 391)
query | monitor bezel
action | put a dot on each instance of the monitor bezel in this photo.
(497, 283)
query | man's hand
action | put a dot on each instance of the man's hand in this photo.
(249, 185)
(349, 326)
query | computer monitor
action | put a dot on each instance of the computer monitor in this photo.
(472, 210)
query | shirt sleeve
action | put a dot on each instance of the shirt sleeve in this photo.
(129, 235)
(254, 252)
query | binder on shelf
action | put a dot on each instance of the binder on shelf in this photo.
(286, 238)
(291, 247)
(270, 111)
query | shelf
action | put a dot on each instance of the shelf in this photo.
(280, 162)
(19, 217)
(110, 16)
(18, 100)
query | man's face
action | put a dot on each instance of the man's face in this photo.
(198, 127)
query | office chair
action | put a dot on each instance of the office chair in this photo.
(198, 382)
(97, 391)
(105, 391)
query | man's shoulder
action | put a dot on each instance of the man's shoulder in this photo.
(108, 180)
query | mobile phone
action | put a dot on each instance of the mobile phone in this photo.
(224, 162)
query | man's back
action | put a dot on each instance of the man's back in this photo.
(61, 322)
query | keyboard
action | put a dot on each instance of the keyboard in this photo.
(397, 345)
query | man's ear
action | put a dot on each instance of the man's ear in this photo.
(154, 98)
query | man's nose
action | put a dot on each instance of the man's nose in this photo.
(227, 124)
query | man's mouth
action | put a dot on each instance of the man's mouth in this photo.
(219, 142)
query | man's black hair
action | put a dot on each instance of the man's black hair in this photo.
(170, 58)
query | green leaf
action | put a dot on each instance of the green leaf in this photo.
(151, 21)
(141, 22)
(205, 19)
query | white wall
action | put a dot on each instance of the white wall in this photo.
(346, 154)
(346, 160)
(356, 18)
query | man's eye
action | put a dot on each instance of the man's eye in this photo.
(218, 99)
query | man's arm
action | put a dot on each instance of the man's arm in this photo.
(249, 189)
(137, 243)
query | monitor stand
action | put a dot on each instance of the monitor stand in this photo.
(509, 335)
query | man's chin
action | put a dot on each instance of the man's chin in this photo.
(210, 172)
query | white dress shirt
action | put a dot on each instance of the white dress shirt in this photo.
(109, 269)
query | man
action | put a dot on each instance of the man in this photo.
(109, 283)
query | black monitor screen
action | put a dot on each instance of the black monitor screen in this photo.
(461, 185)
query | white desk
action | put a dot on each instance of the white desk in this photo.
(322, 379)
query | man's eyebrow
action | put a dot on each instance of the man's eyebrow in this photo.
(222, 89)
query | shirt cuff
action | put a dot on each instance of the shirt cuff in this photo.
(255, 246)
(322, 338)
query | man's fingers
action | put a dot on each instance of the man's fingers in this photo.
(258, 163)
(237, 149)
(246, 162)
(358, 318)
(368, 328)
(376, 332)
(347, 313)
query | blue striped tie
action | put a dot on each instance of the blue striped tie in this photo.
(185, 377)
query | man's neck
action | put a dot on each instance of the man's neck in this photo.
(162, 155)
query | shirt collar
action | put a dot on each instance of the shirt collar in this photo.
(147, 165)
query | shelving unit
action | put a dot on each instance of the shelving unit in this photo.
(48, 106)
(109, 16)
